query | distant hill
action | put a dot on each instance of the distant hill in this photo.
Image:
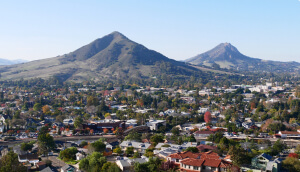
(10, 62)
(227, 56)
(111, 57)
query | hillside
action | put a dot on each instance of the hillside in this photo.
(111, 57)
(227, 56)
(10, 62)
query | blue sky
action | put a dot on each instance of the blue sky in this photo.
(179, 29)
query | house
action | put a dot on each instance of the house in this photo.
(155, 124)
(176, 157)
(289, 134)
(126, 165)
(102, 124)
(68, 122)
(261, 161)
(203, 133)
(79, 156)
(67, 168)
(48, 169)
(28, 158)
(206, 161)
(137, 146)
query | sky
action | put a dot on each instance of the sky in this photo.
(179, 29)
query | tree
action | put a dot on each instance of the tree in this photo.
(156, 138)
(11, 163)
(136, 154)
(129, 151)
(68, 154)
(98, 146)
(239, 156)
(37, 106)
(207, 117)
(93, 162)
(175, 131)
(291, 164)
(83, 143)
(133, 135)
(113, 168)
(78, 122)
(45, 141)
(105, 130)
(192, 149)
(117, 150)
(27, 146)
(293, 155)
(46, 109)
(277, 147)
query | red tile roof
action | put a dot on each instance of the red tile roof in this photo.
(193, 162)
(210, 159)
(184, 155)
(206, 147)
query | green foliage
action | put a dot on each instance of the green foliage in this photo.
(239, 156)
(83, 143)
(156, 138)
(175, 131)
(277, 147)
(94, 162)
(11, 163)
(153, 165)
(291, 164)
(117, 150)
(98, 146)
(27, 146)
(133, 135)
(37, 106)
(136, 155)
(68, 154)
(129, 151)
(78, 122)
(215, 137)
(45, 142)
(192, 149)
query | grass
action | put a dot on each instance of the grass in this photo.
(71, 162)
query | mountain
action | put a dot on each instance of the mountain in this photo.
(111, 57)
(10, 62)
(227, 56)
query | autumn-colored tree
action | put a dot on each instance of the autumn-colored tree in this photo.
(140, 103)
(105, 130)
(91, 131)
(293, 155)
(46, 109)
(207, 117)
(252, 105)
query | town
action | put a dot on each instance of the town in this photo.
(71, 127)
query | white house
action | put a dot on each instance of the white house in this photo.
(154, 124)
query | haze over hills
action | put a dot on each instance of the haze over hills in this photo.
(10, 62)
(111, 57)
(227, 56)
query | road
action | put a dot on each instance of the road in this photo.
(69, 138)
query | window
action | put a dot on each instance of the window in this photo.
(177, 160)
(195, 168)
